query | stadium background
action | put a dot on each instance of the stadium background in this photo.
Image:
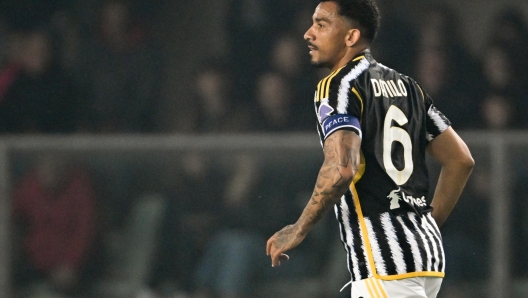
(192, 127)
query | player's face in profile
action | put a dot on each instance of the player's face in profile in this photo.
(326, 36)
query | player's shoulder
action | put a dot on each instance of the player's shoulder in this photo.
(374, 70)
(360, 65)
(344, 76)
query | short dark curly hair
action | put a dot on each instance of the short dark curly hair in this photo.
(364, 12)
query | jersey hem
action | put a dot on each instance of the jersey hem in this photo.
(410, 275)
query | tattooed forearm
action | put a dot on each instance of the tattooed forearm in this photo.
(341, 153)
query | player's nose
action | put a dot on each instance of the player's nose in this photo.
(308, 35)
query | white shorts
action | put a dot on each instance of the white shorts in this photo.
(414, 287)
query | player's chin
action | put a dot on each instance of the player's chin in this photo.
(317, 62)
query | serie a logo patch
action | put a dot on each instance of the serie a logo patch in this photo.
(325, 110)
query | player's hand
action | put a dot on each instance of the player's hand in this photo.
(282, 241)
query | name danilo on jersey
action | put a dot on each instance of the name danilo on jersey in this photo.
(388, 88)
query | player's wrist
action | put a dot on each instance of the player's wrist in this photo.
(302, 228)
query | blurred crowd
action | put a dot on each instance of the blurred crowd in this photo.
(196, 225)
(70, 71)
(99, 67)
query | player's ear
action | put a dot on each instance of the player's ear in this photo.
(352, 37)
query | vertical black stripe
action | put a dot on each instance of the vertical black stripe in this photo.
(430, 242)
(408, 256)
(383, 243)
(421, 245)
(437, 257)
(323, 87)
(319, 90)
(345, 240)
(358, 244)
(438, 242)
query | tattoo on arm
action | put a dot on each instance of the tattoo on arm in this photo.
(340, 156)
(284, 236)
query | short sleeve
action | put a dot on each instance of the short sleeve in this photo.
(339, 104)
(436, 122)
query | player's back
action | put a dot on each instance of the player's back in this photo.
(386, 208)
(396, 119)
(394, 128)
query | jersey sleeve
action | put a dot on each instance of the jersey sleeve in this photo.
(340, 105)
(436, 122)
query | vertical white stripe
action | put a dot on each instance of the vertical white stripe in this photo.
(345, 224)
(415, 249)
(319, 128)
(425, 226)
(435, 226)
(440, 249)
(436, 232)
(376, 251)
(443, 259)
(344, 86)
(392, 239)
(363, 245)
(412, 217)
(315, 102)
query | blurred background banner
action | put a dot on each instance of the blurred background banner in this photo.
(150, 148)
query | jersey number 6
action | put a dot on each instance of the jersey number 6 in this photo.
(397, 134)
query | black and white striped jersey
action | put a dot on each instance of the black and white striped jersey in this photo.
(385, 220)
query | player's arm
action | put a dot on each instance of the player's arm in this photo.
(341, 160)
(457, 163)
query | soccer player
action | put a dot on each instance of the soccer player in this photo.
(376, 125)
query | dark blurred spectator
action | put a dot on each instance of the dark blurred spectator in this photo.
(121, 74)
(278, 107)
(55, 211)
(285, 55)
(67, 32)
(252, 25)
(35, 94)
(510, 30)
(504, 68)
(397, 39)
(289, 58)
(192, 185)
(218, 272)
(498, 111)
(249, 27)
(214, 109)
(445, 69)
(258, 196)
(498, 68)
